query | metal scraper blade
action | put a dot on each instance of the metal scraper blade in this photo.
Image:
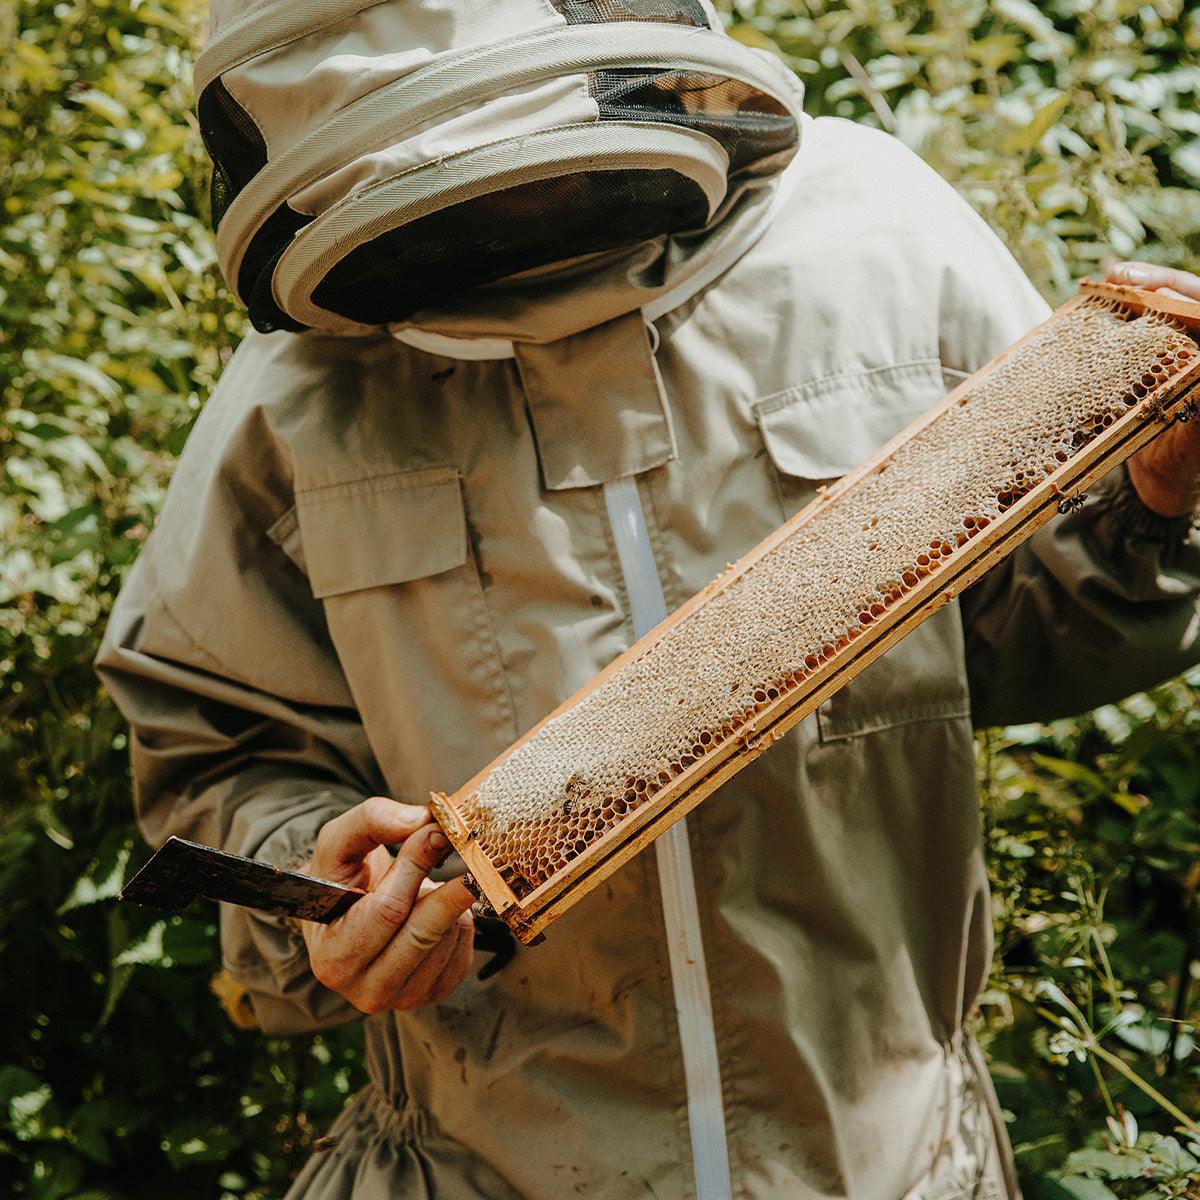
(183, 871)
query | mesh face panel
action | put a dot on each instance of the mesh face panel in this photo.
(771, 626)
(480, 240)
(749, 124)
(593, 12)
(234, 143)
(266, 247)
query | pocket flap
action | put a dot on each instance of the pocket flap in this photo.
(823, 429)
(384, 530)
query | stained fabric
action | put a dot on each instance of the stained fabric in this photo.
(462, 596)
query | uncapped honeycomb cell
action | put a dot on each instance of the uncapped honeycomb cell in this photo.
(769, 628)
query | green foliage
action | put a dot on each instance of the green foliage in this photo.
(120, 1075)
(1073, 127)
(1093, 827)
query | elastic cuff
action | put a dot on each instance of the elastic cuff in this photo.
(1137, 521)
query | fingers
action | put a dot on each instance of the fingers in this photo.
(347, 839)
(425, 959)
(408, 941)
(418, 988)
(372, 923)
(432, 918)
(1181, 284)
(455, 971)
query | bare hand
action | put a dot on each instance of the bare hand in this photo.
(409, 941)
(1166, 473)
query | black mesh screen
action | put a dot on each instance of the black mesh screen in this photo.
(269, 242)
(435, 258)
(747, 122)
(592, 12)
(234, 143)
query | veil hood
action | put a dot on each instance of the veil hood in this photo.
(380, 165)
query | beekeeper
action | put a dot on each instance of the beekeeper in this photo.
(561, 306)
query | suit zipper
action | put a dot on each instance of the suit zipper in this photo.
(681, 909)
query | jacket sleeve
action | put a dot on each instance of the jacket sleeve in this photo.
(1097, 604)
(244, 735)
(1094, 606)
(226, 763)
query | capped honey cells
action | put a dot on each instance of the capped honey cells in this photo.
(767, 628)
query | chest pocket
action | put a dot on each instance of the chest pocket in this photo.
(814, 434)
(390, 557)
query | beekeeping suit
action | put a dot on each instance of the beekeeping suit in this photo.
(563, 305)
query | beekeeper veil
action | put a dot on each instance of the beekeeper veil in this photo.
(376, 161)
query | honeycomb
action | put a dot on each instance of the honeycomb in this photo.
(769, 626)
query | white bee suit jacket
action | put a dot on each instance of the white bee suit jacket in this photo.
(385, 556)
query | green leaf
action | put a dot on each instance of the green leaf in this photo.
(1103, 1164)
(103, 880)
(104, 105)
(1075, 772)
(26, 1100)
(195, 1140)
(1075, 1187)
(146, 950)
(1033, 21)
(1170, 212)
(1025, 139)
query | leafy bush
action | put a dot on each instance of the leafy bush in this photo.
(1072, 127)
(120, 1075)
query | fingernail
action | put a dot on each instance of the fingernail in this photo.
(438, 842)
(1135, 275)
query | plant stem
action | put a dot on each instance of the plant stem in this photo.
(1108, 1100)
(1109, 978)
(1118, 1064)
(1180, 1008)
(1090, 1044)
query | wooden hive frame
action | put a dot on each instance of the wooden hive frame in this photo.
(529, 914)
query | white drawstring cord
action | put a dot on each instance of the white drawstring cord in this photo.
(681, 910)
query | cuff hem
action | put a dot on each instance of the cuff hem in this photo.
(1138, 522)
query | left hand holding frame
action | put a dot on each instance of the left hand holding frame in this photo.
(1166, 473)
